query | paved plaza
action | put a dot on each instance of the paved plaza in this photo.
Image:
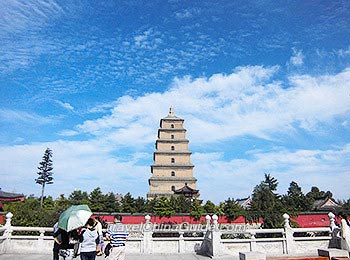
(128, 257)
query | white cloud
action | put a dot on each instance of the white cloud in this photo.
(68, 133)
(344, 52)
(247, 102)
(298, 58)
(82, 165)
(65, 105)
(17, 116)
(326, 169)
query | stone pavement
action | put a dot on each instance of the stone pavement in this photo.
(128, 257)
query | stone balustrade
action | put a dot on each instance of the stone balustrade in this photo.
(210, 238)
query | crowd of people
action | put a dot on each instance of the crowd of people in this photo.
(91, 241)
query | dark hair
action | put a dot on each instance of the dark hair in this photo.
(90, 222)
(118, 217)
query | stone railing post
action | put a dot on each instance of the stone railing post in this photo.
(335, 241)
(253, 240)
(207, 220)
(41, 239)
(288, 231)
(8, 232)
(181, 243)
(332, 224)
(216, 237)
(147, 236)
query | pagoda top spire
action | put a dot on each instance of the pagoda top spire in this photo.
(171, 115)
(171, 111)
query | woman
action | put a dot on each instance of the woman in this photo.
(89, 240)
(345, 232)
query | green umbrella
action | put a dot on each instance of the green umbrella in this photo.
(74, 217)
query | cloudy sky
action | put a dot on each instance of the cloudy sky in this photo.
(263, 86)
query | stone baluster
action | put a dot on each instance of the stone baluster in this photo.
(147, 236)
(290, 245)
(253, 240)
(332, 224)
(181, 243)
(8, 232)
(216, 237)
(207, 220)
(215, 222)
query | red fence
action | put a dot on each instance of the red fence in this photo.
(304, 220)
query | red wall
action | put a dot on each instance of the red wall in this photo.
(303, 220)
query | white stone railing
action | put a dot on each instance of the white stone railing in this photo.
(143, 239)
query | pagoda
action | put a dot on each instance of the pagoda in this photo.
(172, 171)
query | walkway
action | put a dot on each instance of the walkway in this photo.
(128, 257)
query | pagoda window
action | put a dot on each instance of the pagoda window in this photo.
(173, 188)
(172, 173)
(172, 126)
(172, 148)
(172, 136)
(172, 160)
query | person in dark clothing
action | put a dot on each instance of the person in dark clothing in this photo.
(67, 242)
(56, 245)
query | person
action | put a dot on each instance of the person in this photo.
(67, 242)
(117, 235)
(89, 239)
(99, 229)
(56, 243)
(345, 231)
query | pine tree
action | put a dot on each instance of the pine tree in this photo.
(45, 173)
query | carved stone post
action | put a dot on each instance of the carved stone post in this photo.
(207, 220)
(8, 232)
(253, 240)
(335, 241)
(147, 236)
(332, 224)
(181, 243)
(288, 231)
(216, 237)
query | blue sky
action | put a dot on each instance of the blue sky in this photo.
(263, 86)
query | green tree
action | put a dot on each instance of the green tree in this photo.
(29, 213)
(128, 204)
(295, 200)
(111, 204)
(345, 208)
(162, 207)
(232, 209)
(78, 197)
(140, 205)
(97, 200)
(182, 204)
(267, 204)
(49, 203)
(210, 207)
(196, 209)
(62, 203)
(45, 173)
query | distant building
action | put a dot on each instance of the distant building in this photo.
(244, 203)
(9, 197)
(326, 204)
(172, 171)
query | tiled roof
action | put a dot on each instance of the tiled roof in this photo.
(9, 195)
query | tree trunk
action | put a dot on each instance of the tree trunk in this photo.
(42, 195)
